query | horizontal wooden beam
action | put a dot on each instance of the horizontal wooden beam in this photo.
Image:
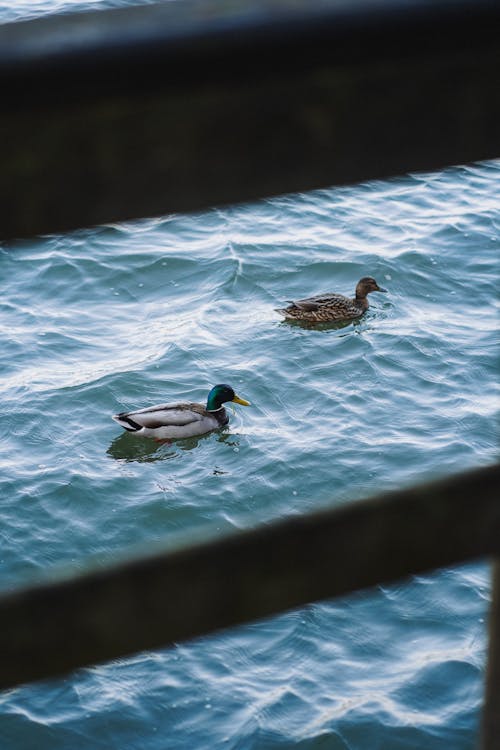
(144, 111)
(169, 596)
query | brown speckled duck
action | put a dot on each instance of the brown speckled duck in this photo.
(331, 307)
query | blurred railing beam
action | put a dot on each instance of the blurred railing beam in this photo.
(491, 711)
(118, 114)
(160, 599)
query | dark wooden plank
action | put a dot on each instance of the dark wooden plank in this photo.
(491, 712)
(144, 111)
(170, 596)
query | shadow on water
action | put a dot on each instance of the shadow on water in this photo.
(358, 324)
(336, 325)
(127, 447)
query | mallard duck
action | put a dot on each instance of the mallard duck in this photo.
(181, 420)
(328, 307)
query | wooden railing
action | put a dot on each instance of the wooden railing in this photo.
(144, 111)
(119, 114)
(73, 620)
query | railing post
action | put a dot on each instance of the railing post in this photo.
(491, 714)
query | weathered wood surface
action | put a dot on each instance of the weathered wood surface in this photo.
(491, 711)
(143, 111)
(171, 596)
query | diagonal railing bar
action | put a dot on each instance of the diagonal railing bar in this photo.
(174, 107)
(157, 600)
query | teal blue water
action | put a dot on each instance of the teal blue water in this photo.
(124, 316)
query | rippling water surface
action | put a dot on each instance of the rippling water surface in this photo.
(124, 316)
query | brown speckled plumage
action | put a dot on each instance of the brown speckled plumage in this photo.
(331, 307)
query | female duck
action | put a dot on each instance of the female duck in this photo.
(331, 307)
(181, 420)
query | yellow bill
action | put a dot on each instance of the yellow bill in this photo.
(238, 400)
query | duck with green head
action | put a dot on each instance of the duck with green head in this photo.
(331, 306)
(174, 421)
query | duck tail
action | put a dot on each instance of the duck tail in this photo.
(126, 422)
(285, 311)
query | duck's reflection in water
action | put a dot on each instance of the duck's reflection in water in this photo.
(127, 447)
(329, 326)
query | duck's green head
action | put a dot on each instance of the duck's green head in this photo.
(220, 394)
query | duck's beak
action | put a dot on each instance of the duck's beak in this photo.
(238, 400)
(381, 289)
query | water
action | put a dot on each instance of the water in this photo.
(23, 10)
(124, 316)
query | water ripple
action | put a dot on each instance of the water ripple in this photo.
(128, 315)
